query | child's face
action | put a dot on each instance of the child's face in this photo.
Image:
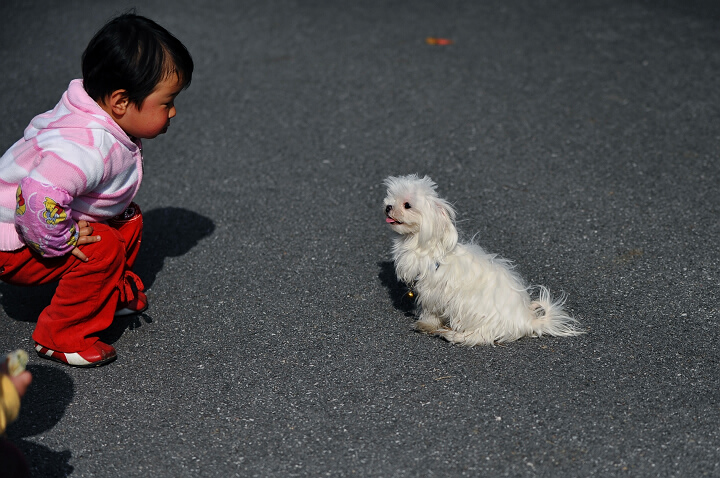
(157, 110)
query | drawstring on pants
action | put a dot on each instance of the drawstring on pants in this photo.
(128, 284)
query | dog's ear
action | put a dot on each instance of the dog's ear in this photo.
(449, 234)
(438, 225)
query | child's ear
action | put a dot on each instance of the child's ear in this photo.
(118, 102)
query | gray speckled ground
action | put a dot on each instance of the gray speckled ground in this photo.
(579, 139)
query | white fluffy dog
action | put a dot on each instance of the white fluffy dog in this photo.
(464, 294)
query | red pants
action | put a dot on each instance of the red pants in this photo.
(88, 293)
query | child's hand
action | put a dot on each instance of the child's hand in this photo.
(86, 237)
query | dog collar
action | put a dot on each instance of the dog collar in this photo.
(411, 293)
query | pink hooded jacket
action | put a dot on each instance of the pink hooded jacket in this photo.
(73, 163)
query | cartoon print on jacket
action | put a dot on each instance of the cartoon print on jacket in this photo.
(36, 247)
(20, 201)
(53, 214)
(74, 236)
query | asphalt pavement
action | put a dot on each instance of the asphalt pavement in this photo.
(578, 139)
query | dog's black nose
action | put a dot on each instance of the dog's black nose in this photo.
(388, 208)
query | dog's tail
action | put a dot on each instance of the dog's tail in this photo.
(551, 318)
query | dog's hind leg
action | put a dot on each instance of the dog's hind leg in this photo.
(474, 337)
(453, 335)
(428, 323)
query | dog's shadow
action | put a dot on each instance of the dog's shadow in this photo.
(43, 406)
(167, 232)
(398, 292)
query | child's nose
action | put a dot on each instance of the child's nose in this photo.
(172, 112)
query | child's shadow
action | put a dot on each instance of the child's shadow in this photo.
(167, 232)
(398, 291)
(43, 406)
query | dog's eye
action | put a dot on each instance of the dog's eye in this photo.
(407, 205)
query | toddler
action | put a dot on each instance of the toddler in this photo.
(12, 388)
(66, 187)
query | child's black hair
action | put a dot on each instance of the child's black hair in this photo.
(133, 53)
